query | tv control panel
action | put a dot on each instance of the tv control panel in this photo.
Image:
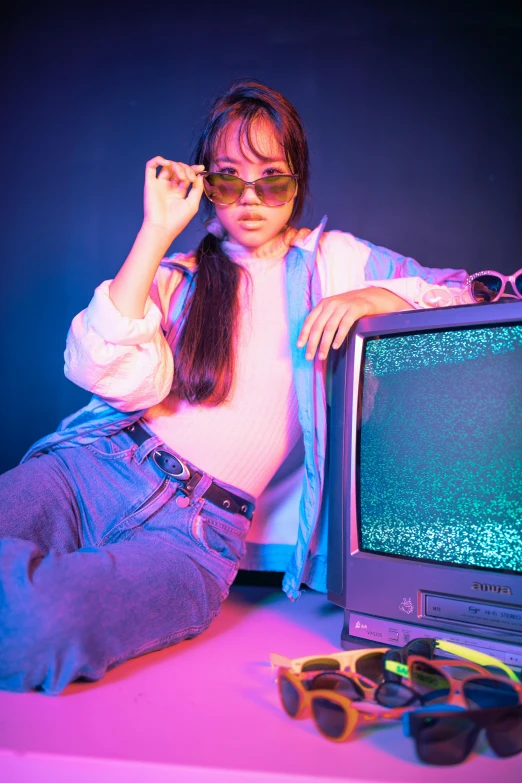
(396, 634)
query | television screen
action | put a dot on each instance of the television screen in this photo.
(439, 447)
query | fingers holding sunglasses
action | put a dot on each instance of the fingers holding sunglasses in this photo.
(196, 185)
(171, 195)
(180, 176)
(152, 166)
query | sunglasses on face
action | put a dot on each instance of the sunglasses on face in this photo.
(489, 286)
(226, 189)
(459, 682)
(332, 711)
(447, 735)
(427, 648)
(367, 662)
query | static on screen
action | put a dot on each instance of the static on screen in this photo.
(440, 447)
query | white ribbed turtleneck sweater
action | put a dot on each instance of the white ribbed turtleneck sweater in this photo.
(244, 441)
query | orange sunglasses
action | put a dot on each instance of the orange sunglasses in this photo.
(458, 682)
(333, 713)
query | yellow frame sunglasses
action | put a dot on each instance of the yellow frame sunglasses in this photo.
(367, 662)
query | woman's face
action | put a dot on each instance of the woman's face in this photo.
(250, 222)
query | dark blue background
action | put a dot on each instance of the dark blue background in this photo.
(413, 116)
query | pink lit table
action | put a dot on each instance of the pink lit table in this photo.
(208, 710)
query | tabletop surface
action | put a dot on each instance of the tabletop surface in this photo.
(208, 709)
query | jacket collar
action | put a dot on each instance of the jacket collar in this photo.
(303, 238)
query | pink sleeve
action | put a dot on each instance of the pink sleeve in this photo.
(421, 294)
(126, 361)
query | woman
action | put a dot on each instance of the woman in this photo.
(122, 532)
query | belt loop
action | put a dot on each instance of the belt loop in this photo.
(195, 489)
(146, 448)
(143, 451)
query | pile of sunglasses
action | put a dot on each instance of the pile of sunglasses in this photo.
(443, 705)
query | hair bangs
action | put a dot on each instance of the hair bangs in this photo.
(245, 134)
(248, 117)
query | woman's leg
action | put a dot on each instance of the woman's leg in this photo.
(78, 614)
(37, 503)
(145, 577)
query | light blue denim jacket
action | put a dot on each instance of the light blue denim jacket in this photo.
(308, 558)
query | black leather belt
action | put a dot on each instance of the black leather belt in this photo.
(173, 466)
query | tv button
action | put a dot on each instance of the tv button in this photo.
(393, 636)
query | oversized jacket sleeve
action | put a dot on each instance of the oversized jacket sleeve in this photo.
(347, 263)
(126, 361)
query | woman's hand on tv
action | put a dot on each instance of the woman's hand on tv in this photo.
(169, 205)
(328, 324)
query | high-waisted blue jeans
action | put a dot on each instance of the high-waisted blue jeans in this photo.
(98, 562)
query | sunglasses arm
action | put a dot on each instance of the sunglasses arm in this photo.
(280, 660)
(481, 658)
(406, 723)
(397, 668)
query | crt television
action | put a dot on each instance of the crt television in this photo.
(425, 478)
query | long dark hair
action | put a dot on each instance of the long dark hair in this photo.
(204, 356)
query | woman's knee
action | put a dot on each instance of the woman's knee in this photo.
(65, 617)
(37, 644)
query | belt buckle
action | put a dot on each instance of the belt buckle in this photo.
(167, 462)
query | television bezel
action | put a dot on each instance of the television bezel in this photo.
(352, 572)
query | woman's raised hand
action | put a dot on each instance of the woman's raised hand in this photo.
(166, 203)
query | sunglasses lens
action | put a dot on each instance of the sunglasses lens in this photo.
(396, 656)
(370, 666)
(505, 733)
(222, 188)
(444, 741)
(423, 647)
(289, 696)
(483, 693)
(395, 694)
(429, 682)
(485, 288)
(321, 664)
(329, 717)
(518, 283)
(275, 191)
(335, 681)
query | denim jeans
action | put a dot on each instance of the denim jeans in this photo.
(99, 563)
